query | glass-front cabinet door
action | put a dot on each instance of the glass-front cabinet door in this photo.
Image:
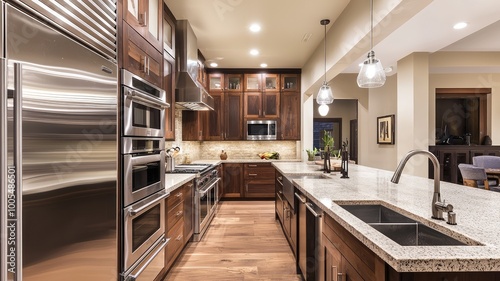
(290, 82)
(144, 16)
(252, 82)
(215, 82)
(270, 82)
(234, 82)
(168, 33)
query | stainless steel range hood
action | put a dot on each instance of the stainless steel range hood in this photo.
(189, 94)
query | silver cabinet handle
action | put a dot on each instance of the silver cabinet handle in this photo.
(144, 61)
(149, 59)
(178, 213)
(311, 209)
(300, 198)
(252, 165)
(178, 238)
(133, 277)
(178, 194)
(252, 175)
(143, 19)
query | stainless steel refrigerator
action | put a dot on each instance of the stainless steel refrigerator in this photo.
(59, 155)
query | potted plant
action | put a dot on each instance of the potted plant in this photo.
(311, 154)
(327, 141)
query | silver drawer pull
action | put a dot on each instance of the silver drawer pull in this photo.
(252, 175)
(178, 238)
(178, 194)
(178, 213)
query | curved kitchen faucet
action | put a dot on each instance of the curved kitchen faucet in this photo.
(437, 206)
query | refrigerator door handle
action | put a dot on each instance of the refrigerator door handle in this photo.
(17, 166)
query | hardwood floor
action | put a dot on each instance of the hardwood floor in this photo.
(244, 242)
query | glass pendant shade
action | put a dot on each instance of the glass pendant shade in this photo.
(372, 74)
(323, 109)
(325, 95)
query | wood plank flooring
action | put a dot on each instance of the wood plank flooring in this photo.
(244, 242)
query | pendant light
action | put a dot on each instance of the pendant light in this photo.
(325, 95)
(372, 74)
(323, 109)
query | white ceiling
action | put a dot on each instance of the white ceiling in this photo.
(223, 36)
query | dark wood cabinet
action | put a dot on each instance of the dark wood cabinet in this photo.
(261, 104)
(188, 190)
(290, 116)
(226, 120)
(233, 119)
(140, 58)
(169, 87)
(168, 31)
(450, 156)
(233, 180)
(347, 257)
(259, 180)
(262, 99)
(145, 16)
(290, 82)
(174, 225)
(193, 125)
(215, 118)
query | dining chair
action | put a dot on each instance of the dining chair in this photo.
(475, 176)
(486, 161)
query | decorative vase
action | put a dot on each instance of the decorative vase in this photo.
(223, 155)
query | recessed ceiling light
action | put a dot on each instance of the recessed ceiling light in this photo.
(460, 25)
(214, 64)
(254, 52)
(263, 65)
(255, 27)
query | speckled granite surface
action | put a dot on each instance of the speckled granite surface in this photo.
(478, 216)
(174, 181)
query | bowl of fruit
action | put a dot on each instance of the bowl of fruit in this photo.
(269, 155)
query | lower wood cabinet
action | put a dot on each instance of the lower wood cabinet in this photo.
(259, 180)
(346, 257)
(179, 223)
(232, 184)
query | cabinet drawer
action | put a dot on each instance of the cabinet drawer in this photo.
(259, 188)
(175, 198)
(176, 243)
(174, 215)
(259, 171)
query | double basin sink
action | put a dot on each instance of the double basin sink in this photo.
(401, 229)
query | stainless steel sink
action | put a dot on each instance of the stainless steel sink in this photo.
(400, 228)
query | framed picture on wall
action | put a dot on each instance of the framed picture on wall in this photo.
(385, 129)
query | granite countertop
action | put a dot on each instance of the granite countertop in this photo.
(174, 181)
(477, 211)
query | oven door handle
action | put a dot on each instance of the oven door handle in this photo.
(134, 277)
(133, 212)
(138, 96)
(145, 159)
(205, 190)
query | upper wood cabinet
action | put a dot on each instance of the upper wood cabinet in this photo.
(261, 104)
(226, 120)
(233, 82)
(168, 32)
(290, 82)
(169, 87)
(193, 125)
(262, 82)
(140, 58)
(145, 16)
(290, 116)
(215, 82)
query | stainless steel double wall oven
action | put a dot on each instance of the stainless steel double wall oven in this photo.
(143, 178)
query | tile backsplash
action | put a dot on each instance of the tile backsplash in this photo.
(195, 150)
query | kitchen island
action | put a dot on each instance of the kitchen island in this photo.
(477, 215)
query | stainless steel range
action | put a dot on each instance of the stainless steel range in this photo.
(206, 195)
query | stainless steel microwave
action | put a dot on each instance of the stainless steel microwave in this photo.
(261, 129)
